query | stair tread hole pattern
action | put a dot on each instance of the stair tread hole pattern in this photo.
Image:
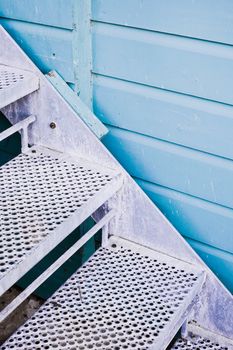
(38, 194)
(118, 300)
(9, 78)
(197, 343)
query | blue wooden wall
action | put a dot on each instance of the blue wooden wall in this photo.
(163, 84)
(44, 30)
(55, 36)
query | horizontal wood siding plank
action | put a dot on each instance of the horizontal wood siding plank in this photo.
(194, 218)
(185, 170)
(188, 66)
(49, 48)
(163, 82)
(220, 262)
(210, 20)
(56, 13)
(185, 120)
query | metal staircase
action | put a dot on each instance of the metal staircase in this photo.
(142, 286)
(45, 196)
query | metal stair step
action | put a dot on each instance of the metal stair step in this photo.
(44, 197)
(15, 84)
(125, 297)
(198, 343)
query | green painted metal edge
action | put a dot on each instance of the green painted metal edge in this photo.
(96, 126)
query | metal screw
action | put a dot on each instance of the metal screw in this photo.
(53, 125)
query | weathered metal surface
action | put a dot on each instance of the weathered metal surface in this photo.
(44, 197)
(15, 84)
(22, 125)
(52, 268)
(137, 218)
(189, 19)
(194, 330)
(180, 119)
(84, 112)
(120, 299)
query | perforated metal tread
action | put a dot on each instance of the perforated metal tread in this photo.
(120, 299)
(198, 343)
(15, 84)
(43, 198)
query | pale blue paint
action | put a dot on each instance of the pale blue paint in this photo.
(165, 61)
(48, 47)
(207, 227)
(195, 218)
(183, 169)
(167, 95)
(82, 50)
(83, 112)
(57, 13)
(219, 261)
(163, 81)
(165, 115)
(208, 19)
(56, 35)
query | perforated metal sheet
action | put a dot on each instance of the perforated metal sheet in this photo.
(39, 193)
(119, 300)
(9, 78)
(197, 343)
(15, 83)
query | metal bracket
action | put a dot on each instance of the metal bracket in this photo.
(22, 125)
(79, 107)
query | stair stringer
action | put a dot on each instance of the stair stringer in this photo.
(138, 219)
